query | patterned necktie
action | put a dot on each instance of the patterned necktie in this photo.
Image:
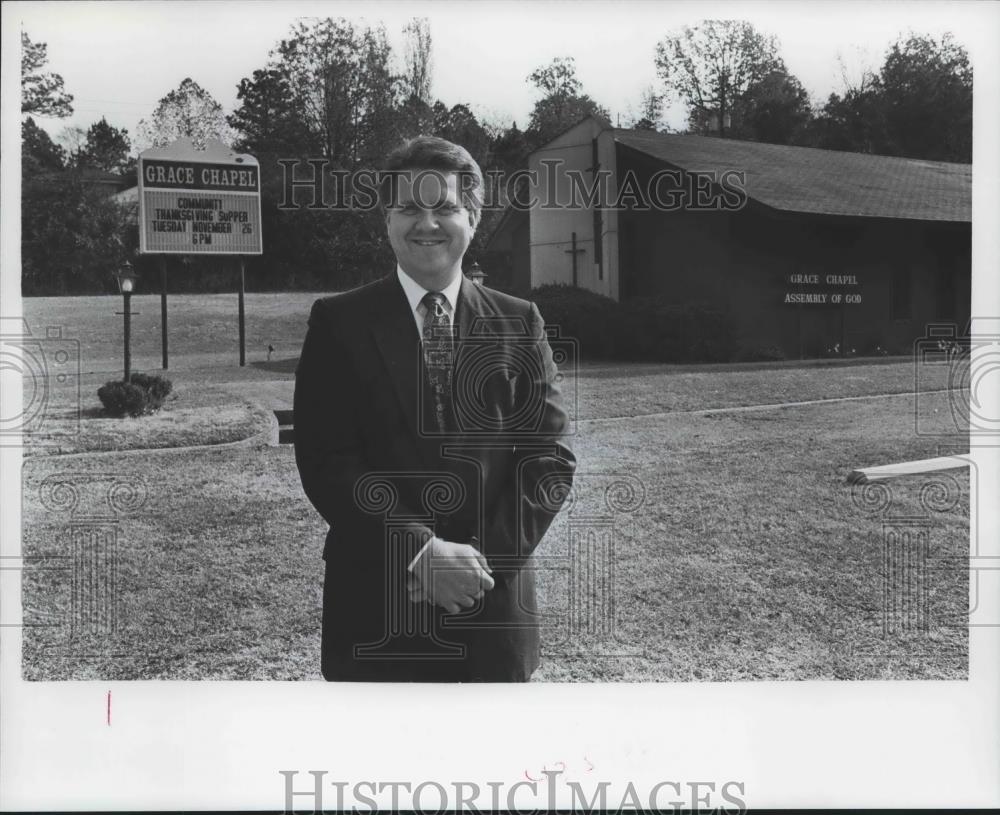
(439, 354)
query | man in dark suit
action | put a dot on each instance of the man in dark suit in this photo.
(429, 434)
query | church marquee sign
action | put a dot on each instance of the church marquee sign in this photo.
(195, 202)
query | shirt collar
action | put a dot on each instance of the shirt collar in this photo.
(415, 292)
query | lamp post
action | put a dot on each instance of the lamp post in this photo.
(126, 278)
(476, 274)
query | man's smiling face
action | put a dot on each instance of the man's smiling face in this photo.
(429, 227)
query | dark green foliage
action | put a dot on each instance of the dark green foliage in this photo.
(144, 394)
(38, 152)
(459, 125)
(760, 353)
(775, 110)
(919, 105)
(73, 235)
(660, 331)
(580, 315)
(641, 329)
(267, 119)
(157, 386)
(106, 148)
(122, 398)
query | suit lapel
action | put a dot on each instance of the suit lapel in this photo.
(396, 336)
(473, 312)
(399, 344)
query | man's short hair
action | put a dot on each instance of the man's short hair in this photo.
(432, 153)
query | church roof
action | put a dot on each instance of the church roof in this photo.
(825, 182)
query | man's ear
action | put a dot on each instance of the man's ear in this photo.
(474, 217)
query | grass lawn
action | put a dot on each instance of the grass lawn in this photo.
(750, 559)
(747, 559)
(203, 330)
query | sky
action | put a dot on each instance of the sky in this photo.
(119, 58)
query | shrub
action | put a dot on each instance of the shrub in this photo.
(582, 315)
(122, 398)
(761, 353)
(143, 394)
(653, 329)
(158, 387)
(643, 328)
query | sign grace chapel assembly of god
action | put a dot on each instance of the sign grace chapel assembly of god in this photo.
(813, 252)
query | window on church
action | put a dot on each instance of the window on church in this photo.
(901, 293)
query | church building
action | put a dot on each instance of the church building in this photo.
(813, 252)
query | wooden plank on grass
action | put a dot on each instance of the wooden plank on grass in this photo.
(926, 465)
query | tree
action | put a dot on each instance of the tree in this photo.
(562, 105)
(188, 111)
(919, 105)
(378, 122)
(459, 125)
(925, 90)
(850, 122)
(73, 235)
(72, 138)
(558, 77)
(650, 111)
(38, 152)
(713, 64)
(267, 119)
(42, 93)
(415, 115)
(327, 90)
(776, 110)
(510, 150)
(414, 118)
(418, 59)
(104, 148)
(341, 84)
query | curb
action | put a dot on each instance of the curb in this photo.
(268, 437)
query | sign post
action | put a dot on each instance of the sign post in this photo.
(199, 202)
(163, 308)
(243, 328)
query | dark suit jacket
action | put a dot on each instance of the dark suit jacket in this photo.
(375, 467)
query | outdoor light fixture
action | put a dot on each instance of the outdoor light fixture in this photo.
(126, 278)
(476, 274)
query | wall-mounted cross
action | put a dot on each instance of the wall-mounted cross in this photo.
(574, 252)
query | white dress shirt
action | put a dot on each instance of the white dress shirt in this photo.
(415, 295)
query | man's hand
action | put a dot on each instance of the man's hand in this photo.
(451, 575)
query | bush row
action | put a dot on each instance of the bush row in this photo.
(642, 329)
